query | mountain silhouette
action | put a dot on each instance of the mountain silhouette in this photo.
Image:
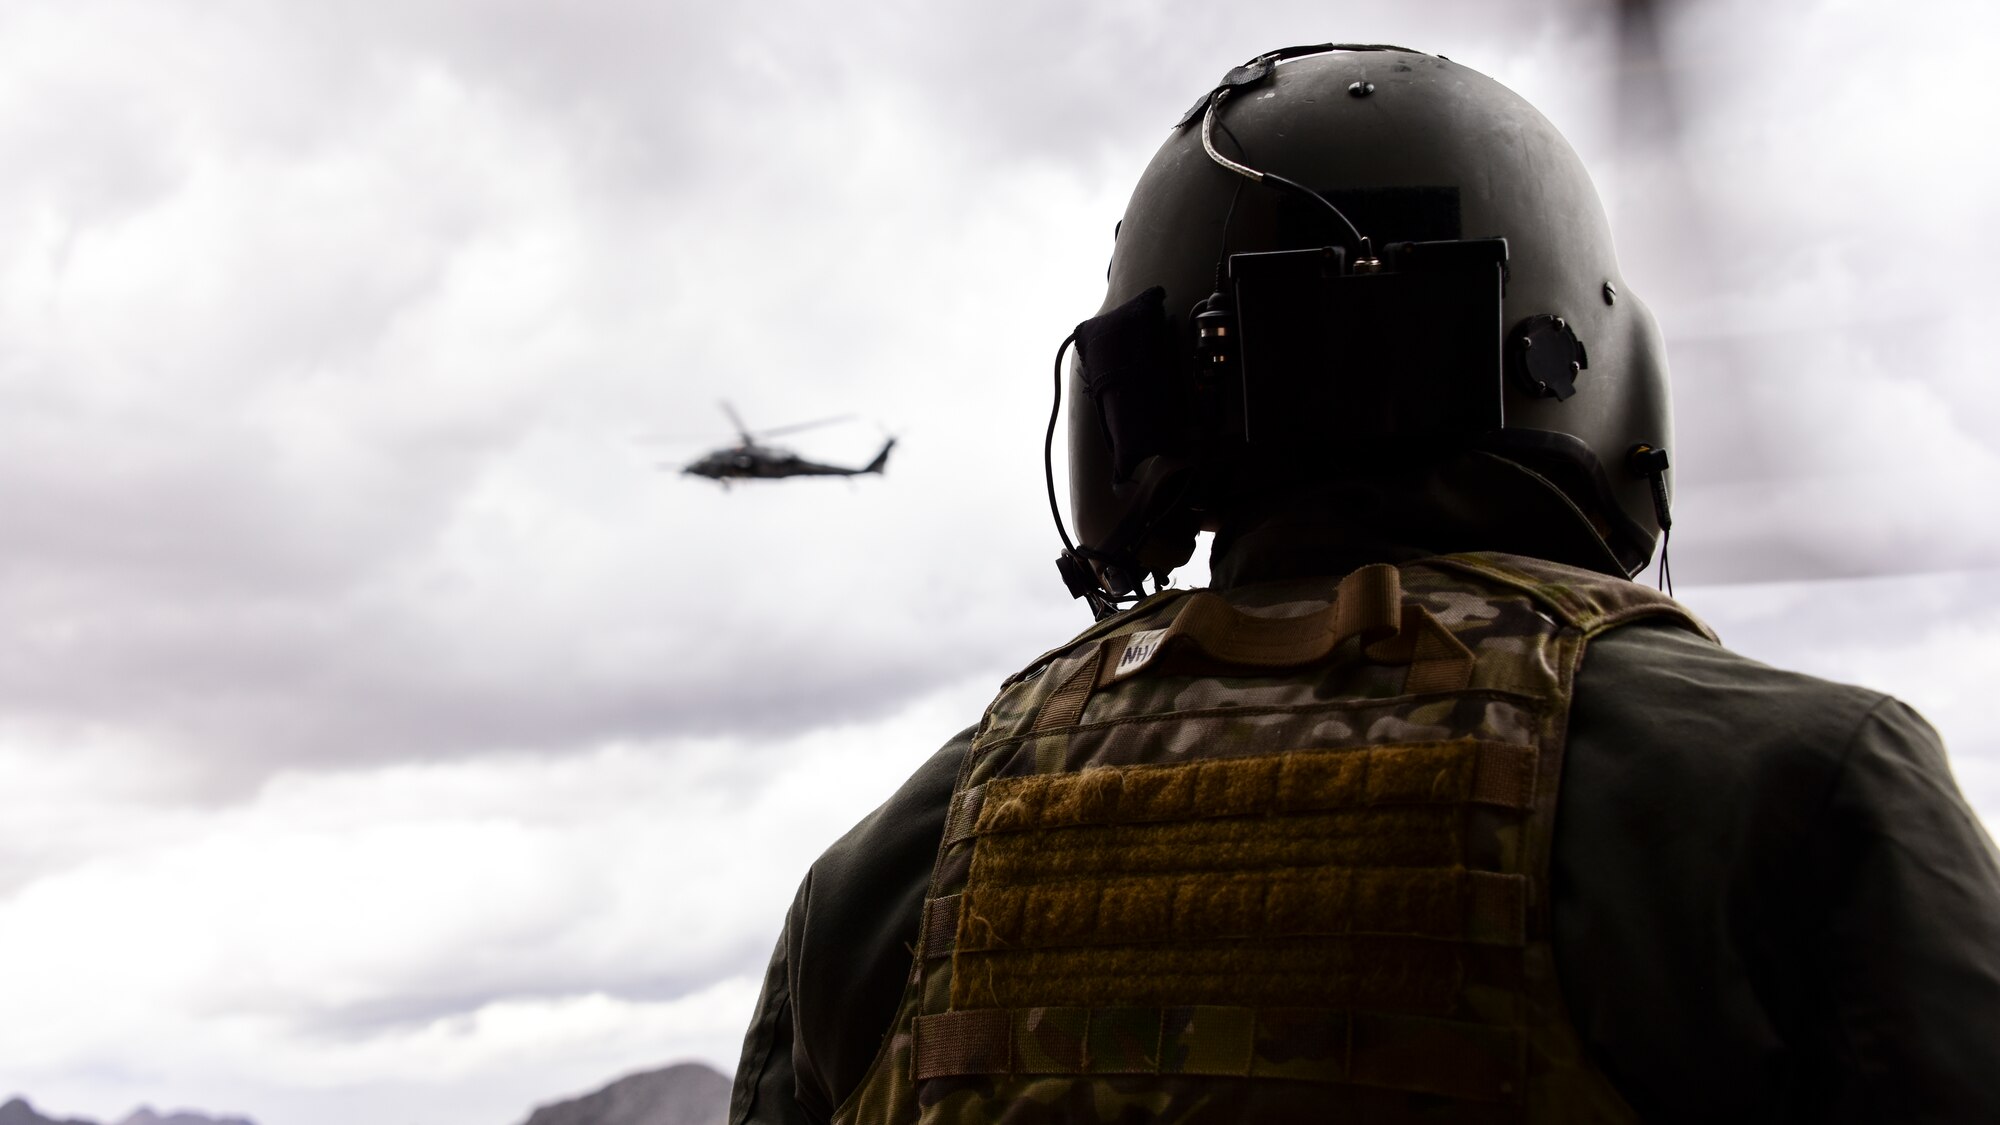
(144, 1115)
(684, 1094)
(19, 1112)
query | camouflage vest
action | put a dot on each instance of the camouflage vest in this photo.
(1276, 856)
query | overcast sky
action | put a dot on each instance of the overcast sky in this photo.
(384, 738)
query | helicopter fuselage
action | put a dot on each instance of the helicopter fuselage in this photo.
(760, 462)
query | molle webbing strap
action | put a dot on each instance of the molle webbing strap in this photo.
(962, 818)
(1406, 975)
(1438, 661)
(940, 930)
(1461, 770)
(1065, 707)
(1412, 1053)
(963, 1043)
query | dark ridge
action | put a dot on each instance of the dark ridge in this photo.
(683, 1094)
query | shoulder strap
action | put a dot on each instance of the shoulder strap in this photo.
(1582, 599)
(1206, 633)
(1124, 619)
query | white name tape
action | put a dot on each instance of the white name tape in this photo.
(1140, 649)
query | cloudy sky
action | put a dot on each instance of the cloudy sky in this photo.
(384, 738)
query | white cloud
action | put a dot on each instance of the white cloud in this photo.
(1814, 247)
(486, 1065)
(356, 414)
(372, 710)
(434, 924)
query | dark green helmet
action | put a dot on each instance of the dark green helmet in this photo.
(1382, 159)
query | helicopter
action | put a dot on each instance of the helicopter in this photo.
(748, 460)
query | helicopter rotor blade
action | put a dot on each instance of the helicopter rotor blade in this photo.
(673, 440)
(1648, 107)
(742, 431)
(797, 426)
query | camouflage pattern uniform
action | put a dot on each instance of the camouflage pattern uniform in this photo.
(1764, 898)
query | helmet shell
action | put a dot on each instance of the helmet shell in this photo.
(1412, 147)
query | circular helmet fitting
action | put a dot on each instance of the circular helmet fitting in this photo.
(1406, 147)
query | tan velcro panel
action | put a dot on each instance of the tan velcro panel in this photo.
(1427, 836)
(1121, 909)
(1460, 770)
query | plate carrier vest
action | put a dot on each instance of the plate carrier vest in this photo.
(1275, 855)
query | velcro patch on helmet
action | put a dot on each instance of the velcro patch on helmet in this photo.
(1242, 77)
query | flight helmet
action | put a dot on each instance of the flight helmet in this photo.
(1347, 257)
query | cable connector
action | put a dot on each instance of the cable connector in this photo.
(1651, 463)
(1077, 575)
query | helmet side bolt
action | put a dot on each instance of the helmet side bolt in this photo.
(1610, 293)
(1360, 89)
(1545, 358)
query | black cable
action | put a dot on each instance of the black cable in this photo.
(1049, 445)
(1228, 217)
(1242, 168)
(1663, 512)
(1242, 154)
(1361, 244)
(1102, 604)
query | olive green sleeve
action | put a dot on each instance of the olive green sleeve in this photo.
(764, 1083)
(838, 970)
(1909, 942)
(1773, 882)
